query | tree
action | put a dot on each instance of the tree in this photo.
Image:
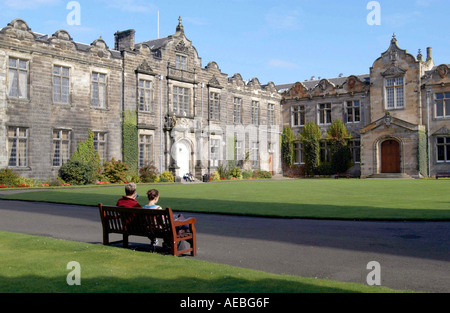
(338, 137)
(84, 165)
(287, 146)
(310, 138)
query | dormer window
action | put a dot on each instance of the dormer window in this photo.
(395, 88)
(181, 62)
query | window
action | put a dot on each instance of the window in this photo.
(353, 111)
(271, 114)
(355, 148)
(325, 154)
(98, 90)
(298, 115)
(100, 145)
(214, 105)
(255, 112)
(145, 150)
(237, 110)
(145, 95)
(324, 113)
(395, 93)
(443, 104)
(238, 152)
(180, 101)
(18, 78)
(443, 149)
(61, 84)
(298, 149)
(255, 154)
(181, 62)
(61, 147)
(215, 149)
(17, 146)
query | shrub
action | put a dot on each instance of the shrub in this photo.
(236, 173)
(149, 174)
(261, 174)
(167, 177)
(215, 175)
(310, 138)
(287, 147)
(86, 154)
(77, 172)
(247, 174)
(115, 171)
(9, 178)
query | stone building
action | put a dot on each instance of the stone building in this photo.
(148, 102)
(398, 114)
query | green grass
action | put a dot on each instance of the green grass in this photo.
(32, 264)
(334, 199)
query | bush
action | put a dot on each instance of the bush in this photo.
(149, 174)
(215, 175)
(9, 178)
(247, 174)
(262, 174)
(115, 171)
(236, 173)
(77, 172)
(167, 177)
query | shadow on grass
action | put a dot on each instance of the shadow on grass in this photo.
(186, 284)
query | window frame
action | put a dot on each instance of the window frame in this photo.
(446, 149)
(237, 110)
(255, 112)
(186, 101)
(147, 106)
(145, 149)
(324, 113)
(95, 102)
(60, 140)
(445, 98)
(214, 106)
(395, 96)
(298, 113)
(18, 76)
(17, 139)
(353, 108)
(60, 87)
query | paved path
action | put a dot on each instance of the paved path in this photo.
(412, 255)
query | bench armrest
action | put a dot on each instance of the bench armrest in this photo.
(185, 222)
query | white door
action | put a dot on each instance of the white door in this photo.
(183, 158)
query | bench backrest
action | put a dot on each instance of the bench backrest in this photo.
(137, 221)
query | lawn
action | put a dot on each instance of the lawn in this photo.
(330, 198)
(35, 264)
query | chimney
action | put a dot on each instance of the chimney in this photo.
(124, 40)
(429, 53)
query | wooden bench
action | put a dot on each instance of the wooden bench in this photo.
(444, 174)
(147, 223)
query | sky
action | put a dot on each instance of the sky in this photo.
(281, 41)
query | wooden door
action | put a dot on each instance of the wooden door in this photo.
(390, 157)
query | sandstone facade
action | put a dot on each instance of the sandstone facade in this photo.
(148, 102)
(398, 114)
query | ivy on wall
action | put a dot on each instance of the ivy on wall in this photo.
(422, 155)
(130, 141)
